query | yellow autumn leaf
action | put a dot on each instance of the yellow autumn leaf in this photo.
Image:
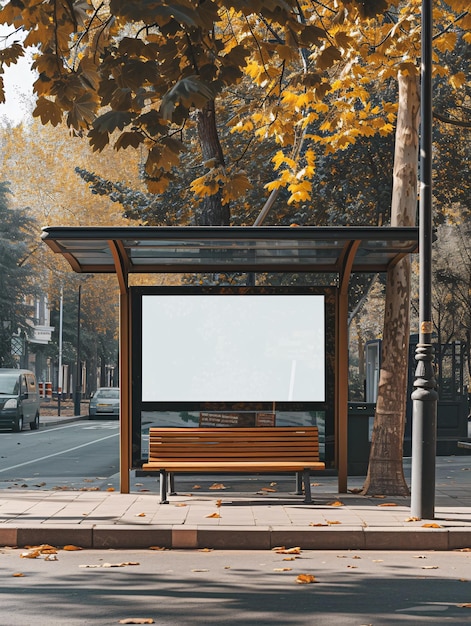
(458, 80)
(283, 550)
(431, 525)
(137, 620)
(335, 503)
(71, 548)
(306, 579)
(387, 504)
(283, 569)
(18, 575)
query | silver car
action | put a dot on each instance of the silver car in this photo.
(104, 402)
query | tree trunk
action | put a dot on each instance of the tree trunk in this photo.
(211, 212)
(385, 471)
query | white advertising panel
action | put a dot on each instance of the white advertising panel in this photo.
(233, 348)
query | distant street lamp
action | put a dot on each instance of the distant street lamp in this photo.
(424, 396)
(78, 369)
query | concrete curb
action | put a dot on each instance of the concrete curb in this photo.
(236, 538)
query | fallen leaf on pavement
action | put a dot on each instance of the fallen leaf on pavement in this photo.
(432, 525)
(158, 548)
(140, 514)
(213, 515)
(335, 503)
(318, 524)
(17, 575)
(71, 548)
(412, 519)
(387, 504)
(332, 522)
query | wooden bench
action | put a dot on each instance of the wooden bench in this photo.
(239, 450)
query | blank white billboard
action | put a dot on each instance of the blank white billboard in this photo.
(233, 348)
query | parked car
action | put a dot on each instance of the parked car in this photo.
(19, 399)
(104, 402)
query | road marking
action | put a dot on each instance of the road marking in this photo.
(46, 430)
(50, 456)
(102, 427)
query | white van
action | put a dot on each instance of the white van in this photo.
(19, 399)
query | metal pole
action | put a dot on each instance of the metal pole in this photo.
(424, 396)
(59, 373)
(78, 374)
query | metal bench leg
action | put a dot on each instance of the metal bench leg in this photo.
(299, 484)
(307, 486)
(171, 484)
(163, 487)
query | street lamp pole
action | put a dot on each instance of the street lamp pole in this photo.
(424, 396)
(78, 374)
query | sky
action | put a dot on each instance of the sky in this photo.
(18, 80)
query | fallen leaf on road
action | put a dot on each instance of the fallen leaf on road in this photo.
(17, 575)
(306, 579)
(196, 487)
(110, 489)
(387, 504)
(269, 489)
(137, 620)
(283, 550)
(213, 515)
(216, 486)
(283, 569)
(335, 503)
(71, 548)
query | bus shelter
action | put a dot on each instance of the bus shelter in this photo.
(335, 252)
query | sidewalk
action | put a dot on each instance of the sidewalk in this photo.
(243, 513)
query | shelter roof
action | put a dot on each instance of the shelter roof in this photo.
(145, 249)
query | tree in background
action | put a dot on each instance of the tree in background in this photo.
(18, 286)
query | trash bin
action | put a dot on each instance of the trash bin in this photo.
(360, 425)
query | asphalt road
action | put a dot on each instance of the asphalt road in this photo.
(225, 588)
(70, 455)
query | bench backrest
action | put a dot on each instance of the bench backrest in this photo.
(234, 444)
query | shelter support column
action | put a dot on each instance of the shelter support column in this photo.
(125, 391)
(341, 365)
(341, 388)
